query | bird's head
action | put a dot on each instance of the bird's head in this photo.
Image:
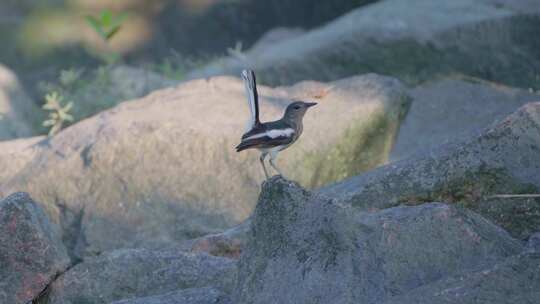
(297, 109)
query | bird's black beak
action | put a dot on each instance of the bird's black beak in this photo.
(310, 104)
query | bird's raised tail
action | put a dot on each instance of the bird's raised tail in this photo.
(250, 84)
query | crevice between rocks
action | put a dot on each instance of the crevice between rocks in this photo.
(73, 239)
(73, 236)
(43, 296)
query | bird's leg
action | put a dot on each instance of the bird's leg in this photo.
(263, 155)
(272, 158)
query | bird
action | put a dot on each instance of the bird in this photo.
(270, 137)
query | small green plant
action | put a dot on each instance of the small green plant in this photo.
(70, 76)
(58, 113)
(107, 25)
(237, 51)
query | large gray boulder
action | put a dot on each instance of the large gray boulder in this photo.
(504, 159)
(31, 252)
(163, 168)
(308, 248)
(514, 280)
(454, 109)
(391, 37)
(18, 114)
(205, 295)
(132, 273)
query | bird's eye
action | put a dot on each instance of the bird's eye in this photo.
(297, 107)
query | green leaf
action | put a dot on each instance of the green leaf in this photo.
(55, 129)
(106, 18)
(112, 33)
(68, 107)
(48, 106)
(96, 25)
(48, 123)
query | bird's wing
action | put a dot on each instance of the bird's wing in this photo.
(253, 98)
(267, 139)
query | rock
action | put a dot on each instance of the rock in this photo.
(31, 252)
(276, 35)
(307, 248)
(163, 169)
(229, 243)
(504, 159)
(15, 154)
(451, 110)
(515, 280)
(390, 37)
(534, 242)
(132, 273)
(19, 116)
(205, 295)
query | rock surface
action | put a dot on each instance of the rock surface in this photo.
(534, 242)
(276, 35)
(390, 37)
(305, 248)
(18, 113)
(504, 159)
(206, 295)
(15, 154)
(228, 243)
(451, 110)
(132, 273)
(163, 169)
(515, 280)
(31, 252)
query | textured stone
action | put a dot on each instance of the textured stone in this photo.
(504, 159)
(31, 252)
(228, 243)
(306, 248)
(534, 242)
(15, 154)
(450, 110)
(515, 280)
(206, 295)
(133, 273)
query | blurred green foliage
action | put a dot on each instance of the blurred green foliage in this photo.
(107, 25)
(58, 112)
(91, 90)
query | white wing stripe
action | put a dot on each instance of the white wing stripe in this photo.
(273, 133)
